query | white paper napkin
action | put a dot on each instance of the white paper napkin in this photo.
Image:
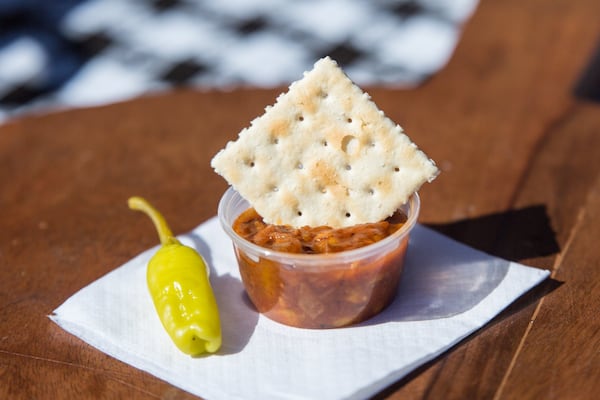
(447, 292)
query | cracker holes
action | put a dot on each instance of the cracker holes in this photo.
(250, 163)
(299, 213)
(299, 165)
(274, 140)
(347, 215)
(396, 169)
(324, 143)
(350, 144)
(370, 191)
(348, 167)
(300, 117)
(349, 120)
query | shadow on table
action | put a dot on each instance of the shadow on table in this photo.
(513, 235)
(587, 86)
(230, 294)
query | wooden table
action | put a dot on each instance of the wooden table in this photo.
(520, 157)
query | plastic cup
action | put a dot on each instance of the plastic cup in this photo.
(319, 290)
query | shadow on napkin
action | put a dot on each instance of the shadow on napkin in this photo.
(230, 295)
(441, 278)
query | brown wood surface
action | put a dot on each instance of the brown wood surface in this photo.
(520, 157)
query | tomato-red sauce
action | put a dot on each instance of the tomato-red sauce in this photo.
(313, 240)
(314, 297)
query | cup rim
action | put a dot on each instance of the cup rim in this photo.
(413, 204)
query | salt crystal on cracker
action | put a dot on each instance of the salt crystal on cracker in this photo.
(324, 154)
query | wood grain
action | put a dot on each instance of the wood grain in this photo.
(520, 160)
(65, 181)
(560, 164)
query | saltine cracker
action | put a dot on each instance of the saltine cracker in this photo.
(324, 154)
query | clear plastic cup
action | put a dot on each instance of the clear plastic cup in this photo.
(319, 290)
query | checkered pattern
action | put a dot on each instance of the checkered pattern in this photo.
(65, 53)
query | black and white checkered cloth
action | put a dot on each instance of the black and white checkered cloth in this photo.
(69, 53)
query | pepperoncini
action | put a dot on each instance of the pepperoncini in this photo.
(178, 282)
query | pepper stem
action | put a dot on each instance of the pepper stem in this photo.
(164, 232)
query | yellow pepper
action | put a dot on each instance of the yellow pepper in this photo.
(178, 282)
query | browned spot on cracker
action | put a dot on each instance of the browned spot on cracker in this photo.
(323, 173)
(279, 127)
(309, 100)
(384, 186)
